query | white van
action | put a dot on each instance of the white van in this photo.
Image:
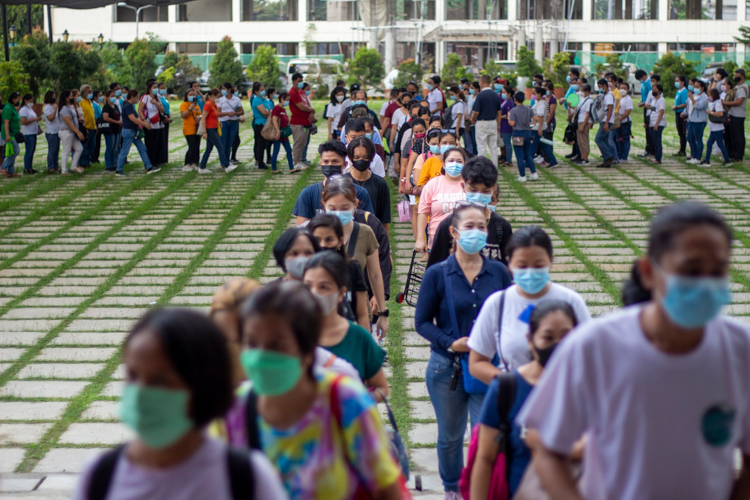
(327, 69)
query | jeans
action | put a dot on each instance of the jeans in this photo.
(470, 141)
(737, 137)
(287, 148)
(193, 154)
(28, 157)
(235, 146)
(260, 144)
(110, 153)
(130, 137)
(718, 137)
(508, 141)
(612, 137)
(9, 163)
(695, 138)
(623, 140)
(229, 130)
(452, 409)
(524, 156)
(53, 151)
(88, 148)
(544, 149)
(656, 140)
(602, 141)
(649, 141)
(680, 123)
(304, 151)
(214, 141)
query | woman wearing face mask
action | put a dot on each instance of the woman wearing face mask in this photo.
(321, 431)
(450, 297)
(400, 116)
(430, 148)
(281, 123)
(716, 129)
(502, 324)
(328, 231)
(361, 151)
(191, 116)
(178, 380)
(437, 164)
(458, 113)
(112, 118)
(29, 129)
(550, 321)
(210, 119)
(657, 121)
(333, 110)
(52, 131)
(97, 102)
(339, 199)
(520, 119)
(261, 113)
(292, 251)
(70, 135)
(167, 119)
(11, 127)
(697, 119)
(435, 97)
(506, 129)
(661, 389)
(150, 108)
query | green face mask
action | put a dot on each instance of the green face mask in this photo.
(158, 416)
(271, 372)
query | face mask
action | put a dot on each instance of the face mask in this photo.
(272, 373)
(159, 416)
(544, 354)
(307, 92)
(191, 98)
(574, 87)
(101, 98)
(430, 87)
(692, 302)
(345, 216)
(262, 93)
(435, 149)
(482, 198)
(453, 168)
(724, 88)
(710, 99)
(155, 91)
(504, 95)
(497, 87)
(296, 266)
(599, 91)
(531, 280)
(471, 91)
(676, 85)
(697, 91)
(361, 165)
(690, 88)
(655, 93)
(223, 92)
(369, 136)
(329, 170)
(327, 302)
(491, 208)
(420, 136)
(78, 99)
(286, 103)
(163, 91)
(357, 103)
(339, 98)
(89, 96)
(472, 240)
(567, 78)
(113, 100)
(301, 85)
(118, 93)
(445, 147)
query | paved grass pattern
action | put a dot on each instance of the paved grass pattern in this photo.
(82, 258)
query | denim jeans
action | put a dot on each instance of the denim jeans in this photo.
(214, 141)
(53, 151)
(716, 136)
(28, 156)
(9, 163)
(470, 142)
(656, 140)
(695, 138)
(229, 130)
(88, 148)
(110, 153)
(287, 148)
(307, 144)
(508, 146)
(602, 141)
(129, 138)
(524, 158)
(623, 140)
(544, 149)
(612, 141)
(452, 409)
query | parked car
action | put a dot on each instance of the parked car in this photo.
(508, 66)
(708, 73)
(326, 69)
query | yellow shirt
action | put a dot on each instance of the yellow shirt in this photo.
(617, 95)
(431, 168)
(88, 114)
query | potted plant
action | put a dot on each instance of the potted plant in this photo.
(559, 91)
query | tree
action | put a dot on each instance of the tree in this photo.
(34, 54)
(527, 65)
(730, 66)
(225, 66)
(557, 68)
(409, 71)
(155, 43)
(179, 72)
(670, 66)
(454, 71)
(13, 79)
(366, 68)
(139, 64)
(264, 67)
(17, 17)
(113, 62)
(744, 35)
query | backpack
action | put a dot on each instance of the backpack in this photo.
(578, 111)
(448, 117)
(499, 489)
(241, 476)
(570, 132)
(598, 109)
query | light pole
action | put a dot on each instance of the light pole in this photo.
(12, 33)
(137, 13)
(100, 39)
(65, 36)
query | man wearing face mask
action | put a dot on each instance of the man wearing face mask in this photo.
(360, 152)
(309, 203)
(302, 118)
(354, 129)
(89, 121)
(605, 118)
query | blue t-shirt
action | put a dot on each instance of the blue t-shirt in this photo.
(255, 101)
(97, 110)
(201, 102)
(645, 90)
(519, 455)
(310, 203)
(165, 104)
(127, 110)
(679, 99)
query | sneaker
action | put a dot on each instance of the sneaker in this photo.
(704, 163)
(726, 164)
(153, 170)
(538, 158)
(679, 153)
(534, 177)
(571, 156)
(583, 162)
(553, 166)
(644, 154)
(521, 179)
(109, 170)
(452, 495)
(543, 163)
(262, 167)
(230, 168)
(120, 174)
(29, 172)
(693, 161)
(604, 165)
(204, 171)
(188, 168)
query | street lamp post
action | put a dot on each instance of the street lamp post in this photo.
(12, 34)
(100, 39)
(65, 36)
(137, 13)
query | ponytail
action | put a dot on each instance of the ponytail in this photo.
(633, 291)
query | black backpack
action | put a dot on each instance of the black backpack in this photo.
(241, 477)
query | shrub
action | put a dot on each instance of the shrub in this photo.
(13, 79)
(527, 65)
(409, 71)
(264, 67)
(454, 71)
(225, 66)
(670, 66)
(366, 68)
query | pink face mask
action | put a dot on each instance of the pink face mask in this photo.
(710, 99)
(724, 88)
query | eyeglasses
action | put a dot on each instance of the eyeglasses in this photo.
(448, 130)
(476, 204)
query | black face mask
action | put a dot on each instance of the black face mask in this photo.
(329, 170)
(544, 354)
(361, 165)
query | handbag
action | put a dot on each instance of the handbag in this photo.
(313, 129)
(518, 140)
(83, 130)
(404, 210)
(19, 137)
(268, 132)
(286, 131)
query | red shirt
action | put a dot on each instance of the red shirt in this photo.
(279, 111)
(212, 115)
(299, 117)
(392, 107)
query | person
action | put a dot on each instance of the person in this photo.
(440, 144)
(585, 122)
(29, 129)
(421, 149)
(643, 77)
(311, 424)
(89, 123)
(519, 118)
(292, 250)
(151, 109)
(737, 113)
(506, 130)
(210, 119)
(469, 133)
(480, 182)
(191, 117)
(626, 123)
(229, 109)
(399, 118)
(548, 153)
(665, 435)
(166, 119)
(529, 260)
(52, 131)
(326, 275)
(240, 120)
(199, 97)
(280, 121)
(698, 104)
(373, 134)
(716, 129)
(328, 231)
(657, 121)
(605, 124)
(388, 108)
(310, 201)
(303, 116)
(680, 104)
(360, 153)
(356, 128)
(413, 88)
(130, 136)
(539, 125)
(112, 117)
(97, 102)
(435, 96)
(11, 127)
(178, 380)
(334, 109)
(549, 323)
(270, 99)
(450, 296)
(487, 118)
(458, 110)
(70, 135)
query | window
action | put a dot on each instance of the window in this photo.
(150, 15)
(625, 9)
(409, 10)
(196, 48)
(459, 10)
(577, 12)
(205, 11)
(282, 49)
(703, 9)
(405, 50)
(326, 48)
(476, 54)
(333, 10)
(269, 10)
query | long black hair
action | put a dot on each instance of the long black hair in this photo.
(546, 307)
(529, 236)
(334, 224)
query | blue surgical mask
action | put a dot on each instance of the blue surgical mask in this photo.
(78, 99)
(690, 88)
(118, 93)
(301, 85)
(445, 147)
(574, 87)
(89, 96)
(435, 149)
(286, 103)
(498, 87)
(567, 78)
(482, 198)
(691, 302)
(452, 97)
(531, 280)
(262, 93)
(677, 85)
(155, 91)
(113, 100)
(307, 92)
(491, 208)
(191, 98)
(345, 216)
(697, 91)
(472, 241)
(471, 91)
(430, 87)
(504, 95)
(223, 91)
(357, 103)
(101, 98)
(453, 168)
(163, 91)
(369, 136)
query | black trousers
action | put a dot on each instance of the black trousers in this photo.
(736, 146)
(235, 146)
(649, 140)
(164, 152)
(193, 155)
(260, 145)
(97, 148)
(154, 143)
(681, 124)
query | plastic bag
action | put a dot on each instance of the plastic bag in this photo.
(404, 210)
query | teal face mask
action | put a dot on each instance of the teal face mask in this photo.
(472, 240)
(357, 103)
(482, 198)
(504, 96)
(430, 87)
(692, 302)
(159, 416)
(491, 208)
(345, 216)
(113, 100)
(531, 280)
(435, 149)
(89, 96)
(163, 91)
(574, 87)
(272, 373)
(453, 168)
(191, 98)
(369, 136)
(262, 93)
(224, 92)
(445, 147)
(498, 87)
(471, 91)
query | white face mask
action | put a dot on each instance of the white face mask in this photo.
(339, 98)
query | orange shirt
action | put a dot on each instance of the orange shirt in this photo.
(189, 127)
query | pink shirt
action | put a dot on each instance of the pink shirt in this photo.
(438, 199)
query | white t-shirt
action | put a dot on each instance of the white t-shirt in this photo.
(469, 103)
(656, 106)
(399, 118)
(435, 97)
(52, 127)
(609, 100)
(376, 166)
(152, 110)
(384, 107)
(540, 110)
(333, 110)
(585, 105)
(458, 108)
(28, 113)
(227, 105)
(511, 343)
(659, 426)
(626, 103)
(650, 100)
(716, 107)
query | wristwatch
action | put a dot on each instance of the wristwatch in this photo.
(384, 314)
